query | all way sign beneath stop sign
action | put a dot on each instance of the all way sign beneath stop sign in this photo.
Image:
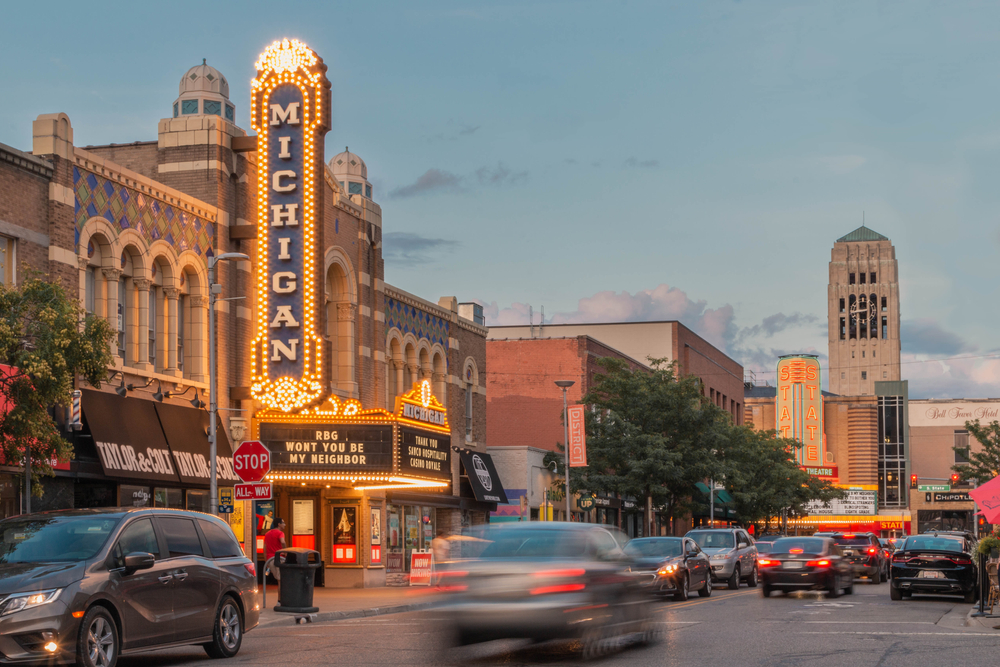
(253, 491)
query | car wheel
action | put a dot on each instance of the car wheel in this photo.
(895, 593)
(877, 577)
(228, 634)
(97, 644)
(834, 590)
(849, 589)
(734, 581)
(765, 591)
(706, 590)
(752, 579)
(682, 589)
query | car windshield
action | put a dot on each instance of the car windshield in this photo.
(54, 539)
(797, 545)
(937, 543)
(654, 548)
(714, 539)
(852, 541)
(764, 546)
(534, 544)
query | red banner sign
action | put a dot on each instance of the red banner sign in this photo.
(577, 436)
(421, 565)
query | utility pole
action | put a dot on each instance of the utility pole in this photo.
(564, 385)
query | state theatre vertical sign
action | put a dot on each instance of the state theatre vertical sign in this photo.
(291, 114)
(799, 408)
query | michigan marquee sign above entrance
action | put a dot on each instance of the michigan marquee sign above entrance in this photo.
(291, 113)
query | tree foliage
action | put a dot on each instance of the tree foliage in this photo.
(47, 341)
(984, 464)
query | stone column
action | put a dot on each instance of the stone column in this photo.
(111, 277)
(440, 387)
(142, 326)
(346, 350)
(414, 376)
(199, 338)
(171, 294)
(398, 367)
(82, 262)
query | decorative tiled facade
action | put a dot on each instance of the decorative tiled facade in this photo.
(410, 320)
(125, 208)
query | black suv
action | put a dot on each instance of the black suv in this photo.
(86, 586)
(864, 552)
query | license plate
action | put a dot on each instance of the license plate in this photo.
(930, 574)
(792, 565)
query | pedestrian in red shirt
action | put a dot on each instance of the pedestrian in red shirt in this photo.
(273, 541)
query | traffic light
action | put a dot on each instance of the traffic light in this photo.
(954, 479)
(914, 481)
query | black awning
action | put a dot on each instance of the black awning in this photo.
(186, 430)
(128, 437)
(482, 476)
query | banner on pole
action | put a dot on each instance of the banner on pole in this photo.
(577, 436)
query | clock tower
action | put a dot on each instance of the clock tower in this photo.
(863, 307)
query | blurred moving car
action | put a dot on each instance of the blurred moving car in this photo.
(731, 552)
(805, 563)
(546, 581)
(763, 545)
(865, 553)
(671, 566)
(89, 585)
(943, 564)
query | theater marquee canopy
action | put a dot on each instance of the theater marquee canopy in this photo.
(371, 449)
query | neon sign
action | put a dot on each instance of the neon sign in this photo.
(799, 408)
(290, 111)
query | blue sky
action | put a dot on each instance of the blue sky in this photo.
(612, 160)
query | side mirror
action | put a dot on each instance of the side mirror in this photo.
(138, 561)
(742, 545)
(692, 553)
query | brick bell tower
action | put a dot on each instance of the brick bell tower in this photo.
(863, 307)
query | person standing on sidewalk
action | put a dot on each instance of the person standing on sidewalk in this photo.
(273, 541)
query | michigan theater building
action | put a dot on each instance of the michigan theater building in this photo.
(370, 399)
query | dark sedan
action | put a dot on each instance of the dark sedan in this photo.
(805, 563)
(937, 564)
(86, 586)
(671, 566)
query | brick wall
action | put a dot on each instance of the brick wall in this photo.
(24, 203)
(140, 157)
(721, 376)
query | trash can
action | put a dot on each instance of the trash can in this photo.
(297, 566)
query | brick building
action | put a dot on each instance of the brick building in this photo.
(129, 228)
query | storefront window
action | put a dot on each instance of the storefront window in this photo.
(198, 501)
(394, 554)
(411, 528)
(134, 496)
(172, 498)
(345, 535)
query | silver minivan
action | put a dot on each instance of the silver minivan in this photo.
(731, 552)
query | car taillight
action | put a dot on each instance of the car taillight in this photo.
(818, 563)
(569, 572)
(872, 550)
(558, 588)
(899, 558)
(447, 584)
(795, 551)
(766, 562)
(249, 567)
(962, 561)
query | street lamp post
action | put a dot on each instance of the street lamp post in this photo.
(564, 385)
(213, 401)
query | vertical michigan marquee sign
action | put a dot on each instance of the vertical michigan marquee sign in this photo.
(290, 111)
(799, 407)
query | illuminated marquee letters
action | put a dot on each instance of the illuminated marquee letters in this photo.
(290, 112)
(799, 407)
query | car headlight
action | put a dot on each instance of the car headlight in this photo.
(667, 569)
(721, 556)
(21, 601)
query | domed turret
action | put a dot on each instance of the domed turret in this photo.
(204, 91)
(352, 173)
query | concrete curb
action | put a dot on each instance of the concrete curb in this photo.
(981, 622)
(289, 619)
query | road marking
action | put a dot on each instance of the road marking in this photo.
(878, 622)
(911, 634)
(684, 605)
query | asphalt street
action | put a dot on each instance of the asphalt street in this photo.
(730, 628)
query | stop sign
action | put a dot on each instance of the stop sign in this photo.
(252, 461)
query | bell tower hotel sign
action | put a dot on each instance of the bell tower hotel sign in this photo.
(291, 113)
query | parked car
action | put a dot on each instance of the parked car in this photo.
(805, 563)
(545, 581)
(865, 552)
(87, 586)
(934, 563)
(731, 552)
(671, 566)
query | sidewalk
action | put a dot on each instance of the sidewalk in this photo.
(983, 622)
(339, 603)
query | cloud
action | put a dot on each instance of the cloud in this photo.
(456, 131)
(436, 180)
(636, 163)
(925, 336)
(500, 175)
(772, 325)
(432, 180)
(408, 248)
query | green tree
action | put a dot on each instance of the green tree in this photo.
(764, 479)
(650, 435)
(983, 465)
(47, 341)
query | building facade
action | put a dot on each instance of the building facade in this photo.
(130, 229)
(863, 313)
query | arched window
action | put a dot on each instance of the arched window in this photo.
(470, 378)
(340, 317)
(873, 315)
(853, 328)
(131, 349)
(862, 316)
